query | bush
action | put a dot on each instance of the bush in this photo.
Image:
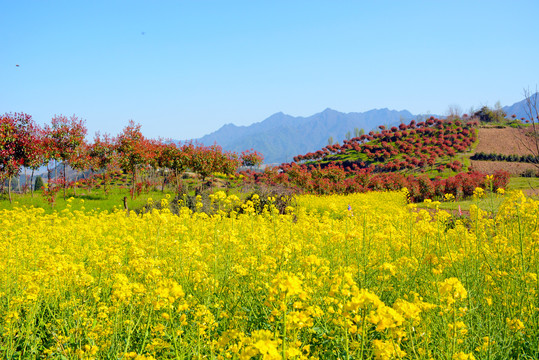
(500, 180)
(528, 173)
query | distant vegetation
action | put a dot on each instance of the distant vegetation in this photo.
(417, 146)
(148, 163)
(431, 158)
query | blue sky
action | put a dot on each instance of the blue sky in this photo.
(183, 69)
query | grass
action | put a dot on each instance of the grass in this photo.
(491, 202)
(96, 200)
(523, 183)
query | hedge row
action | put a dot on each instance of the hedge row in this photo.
(500, 157)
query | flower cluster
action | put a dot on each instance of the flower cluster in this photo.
(355, 276)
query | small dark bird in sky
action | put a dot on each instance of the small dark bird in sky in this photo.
(17, 65)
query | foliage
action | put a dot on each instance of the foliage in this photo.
(17, 145)
(488, 115)
(416, 146)
(64, 139)
(251, 158)
(356, 276)
(334, 180)
(501, 157)
(38, 185)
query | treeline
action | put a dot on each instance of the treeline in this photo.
(500, 157)
(24, 144)
(335, 180)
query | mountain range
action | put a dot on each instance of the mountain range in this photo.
(280, 137)
(520, 109)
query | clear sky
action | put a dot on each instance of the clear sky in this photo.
(183, 69)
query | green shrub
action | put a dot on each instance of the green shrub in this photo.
(38, 184)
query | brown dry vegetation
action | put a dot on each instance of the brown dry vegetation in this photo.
(505, 141)
(489, 167)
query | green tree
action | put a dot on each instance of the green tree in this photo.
(488, 115)
(38, 185)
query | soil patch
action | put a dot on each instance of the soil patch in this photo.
(505, 141)
(489, 167)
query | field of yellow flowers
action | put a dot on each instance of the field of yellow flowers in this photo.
(337, 277)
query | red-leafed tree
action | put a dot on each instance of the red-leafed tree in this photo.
(131, 149)
(102, 156)
(15, 145)
(36, 154)
(205, 160)
(251, 158)
(230, 163)
(66, 139)
(176, 159)
(202, 161)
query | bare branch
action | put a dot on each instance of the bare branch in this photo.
(532, 112)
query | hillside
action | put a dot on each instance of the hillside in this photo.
(519, 109)
(432, 145)
(281, 136)
(504, 141)
(437, 147)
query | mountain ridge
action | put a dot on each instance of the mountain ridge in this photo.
(280, 136)
(520, 108)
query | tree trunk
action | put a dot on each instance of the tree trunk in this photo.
(25, 188)
(32, 182)
(9, 190)
(133, 184)
(105, 182)
(48, 174)
(177, 182)
(65, 181)
(163, 184)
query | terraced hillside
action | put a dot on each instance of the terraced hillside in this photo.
(507, 141)
(432, 146)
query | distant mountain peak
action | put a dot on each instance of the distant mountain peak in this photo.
(280, 137)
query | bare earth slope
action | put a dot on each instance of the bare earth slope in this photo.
(506, 141)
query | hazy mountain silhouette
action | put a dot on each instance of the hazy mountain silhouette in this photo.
(280, 137)
(519, 108)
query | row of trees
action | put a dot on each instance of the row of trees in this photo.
(24, 144)
(416, 145)
(336, 180)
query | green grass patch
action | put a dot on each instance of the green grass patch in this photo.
(84, 201)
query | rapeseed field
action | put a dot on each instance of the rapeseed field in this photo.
(364, 276)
